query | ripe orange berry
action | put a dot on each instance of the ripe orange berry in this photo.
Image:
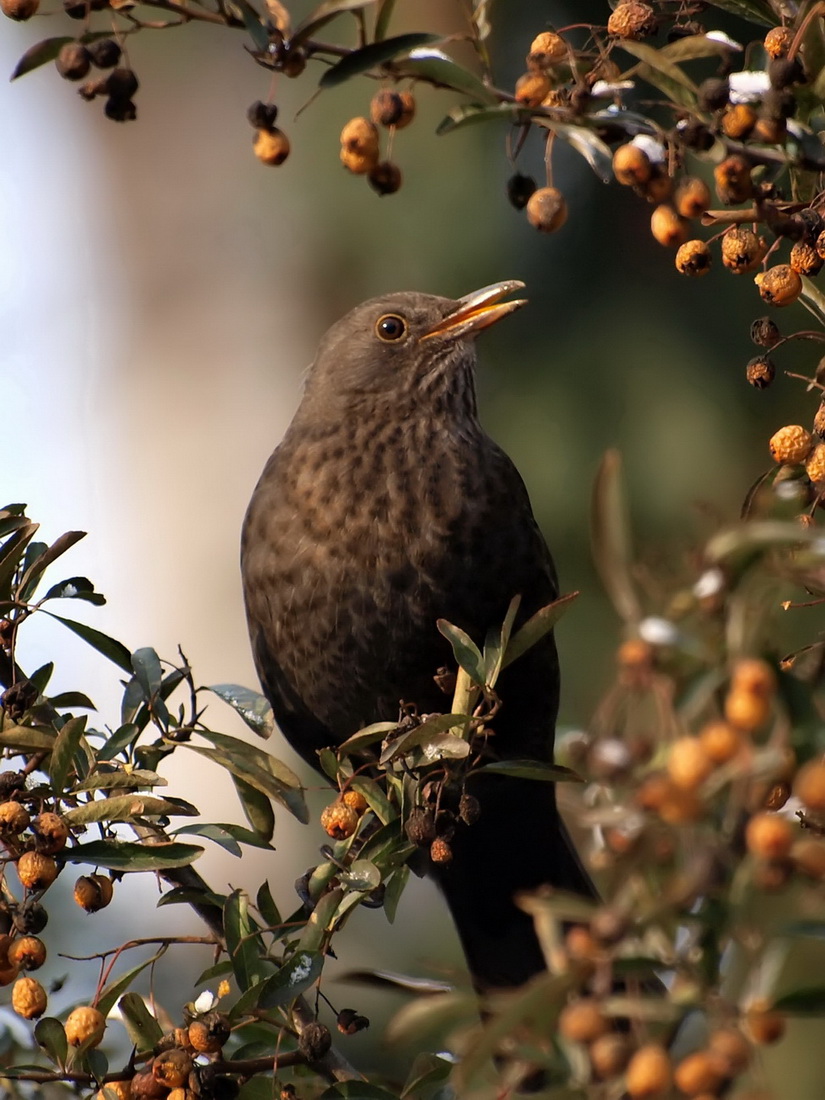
(805, 259)
(581, 944)
(93, 892)
(746, 711)
(733, 180)
(688, 765)
(764, 1024)
(809, 786)
(693, 258)
(632, 20)
(531, 88)
(680, 806)
(121, 1089)
(631, 165)
(742, 250)
(667, 227)
(85, 1023)
(208, 1034)
(36, 871)
(754, 675)
(609, 1055)
(819, 420)
(27, 953)
(546, 49)
(547, 209)
(19, 10)
(440, 851)
(359, 144)
(172, 1067)
(659, 188)
(271, 146)
(582, 1021)
(339, 820)
(779, 285)
(791, 445)
(769, 836)
(14, 818)
(732, 1047)
(50, 833)
(720, 741)
(355, 800)
(692, 197)
(28, 998)
(738, 121)
(815, 465)
(649, 1073)
(702, 1071)
(778, 41)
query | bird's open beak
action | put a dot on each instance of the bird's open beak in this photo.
(478, 310)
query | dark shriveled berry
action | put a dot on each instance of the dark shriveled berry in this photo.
(519, 190)
(761, 372)
(782, 72)
(713, 94)
(121, 84)
(385, 178)
(386, 108)
(765, 332)
(79, 9)
(105, 53)
(314, 1041)
(261, 116)
(420, 828)
(120, 110)
(74, 61)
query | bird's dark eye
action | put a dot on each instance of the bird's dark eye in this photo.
(390, 327)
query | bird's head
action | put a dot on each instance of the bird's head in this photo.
(403, 348)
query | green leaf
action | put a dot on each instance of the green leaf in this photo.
(382, 20)
(243, 943)
(366, 736)
(11, 553)
(65, 747)
(759, 11)
(803, 1002)
(125, 855)
(148, 672)
(252, 21)
(28, 738)
(376, 799)
(471, 113)
(35, 570)
(439, 69)
(431, 1016)
(693, 47)
(427, 1070)
(536, 627)
(257, 809)
(610, 538)
(253, 707)
(65, 699)
(427, 732)
(322, 15)
(293, 979)
(587, 144)
(41, 677)
(394, 890)
(114, 990)
(320, 920)
(465, 651)
(122, 737)
(495, 644)
(376, 53)
(50, 1034)
(227, 836)
(657, 69)
(41, 53)
(266, 906)
(532, 769)
(132, 780)
(142, 1027)
(189, 895)
(109, 647)
(129, 807)
(361, 876)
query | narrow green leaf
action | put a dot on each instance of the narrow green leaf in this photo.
(253, 707)
(321, 15)
(803, 1002)
(228, 836)
(50, 1035)
(28, 738)
(293, 979)
(141, 1025)
(11, 553)
(243, 944)
(532, 769)
(362, 875)
(257, 809)
(50, 554)
(147, 668)
(376, 799)
(382, 19)
(428, 731)
(465, 651)
(41, 677)
(128, 807)
(65, 747)
(376, 53)
(495, 645)
(124, 855)
(41, 53)
(366, 736)
(65, 699)
(116, 651)
(252, 22)
(610, 538)
(471, 113)
(187, 895)
(587, 144)
(759, 11)
(427, 1070)
(132, 780)
(316, 928)
(114, 990)
(263, 772)
(537, 627)
(441, 70)
(394, 892)
(266, 906)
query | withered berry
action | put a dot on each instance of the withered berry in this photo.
(105, 53)
(632, 20)
(714, 94)
(14, 818)
(50, 833)
(783, 72)
(779, 285)
(385, 177)
(733, 180)
(692, 197)
(209, 1033)
(28, 998)
(765, 332)
(693, 258)
(546, 49)
(339, 820)
(36, 871)
(778, 41)
(122, 84)
(171, 1067)
(261, 116)
(314, 1041)
(386, 107)
(440, 850)
(519, 190)
(271, 146)
(85, 1024)
(120, 110)
(742, 250)
(74, 61)
(805, 259)
(738, 121)
(667, 227)
(760, 372)
(420, 828)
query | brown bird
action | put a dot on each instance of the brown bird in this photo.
(387, 507)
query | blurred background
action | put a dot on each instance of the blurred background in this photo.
(161, 293)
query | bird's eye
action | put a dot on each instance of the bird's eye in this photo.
(390, 327)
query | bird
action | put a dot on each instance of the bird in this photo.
(385, 508)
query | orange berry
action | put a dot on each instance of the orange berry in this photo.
(791, 444)
(733, 180)
(93, 892)
(582, 1021)
(120, 1089)
(609, 1055)
(805, 259)
(667, 227)
(809, 786)
(546, 49)
(531, 88)
(738, 121)
(659, 188)
(581, 944)
(746, 711)
(732, 1047)
(815, 465)
(85, 1023)
(271, 146)
(36, 871)
(339, 820)
(631, 165)
(50, 833)
(355, 800)
(779, 285)
(688, 764)
(14, 818)
(753, 675)
(28, 998)
(693, 258)
(778, 41)
(19, 10)
(764, 1024)
(440, 851)
(360, 136)
(547, 209)
(680, 806)
(632, 20)
(649, 1073)
(742, 250)
(208, 1034)
(769, 836)
(172, 1067)
(27, 953)
(692, 197)
(702, 1071)
(720, 741)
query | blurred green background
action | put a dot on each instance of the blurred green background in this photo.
(162, 293)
